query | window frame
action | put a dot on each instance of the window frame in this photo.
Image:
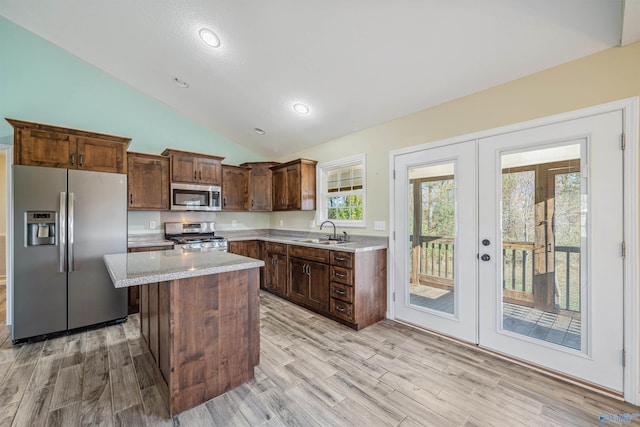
(321, 198)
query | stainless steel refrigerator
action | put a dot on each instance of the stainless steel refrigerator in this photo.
(64, 222)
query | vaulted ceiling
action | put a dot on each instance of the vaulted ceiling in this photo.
(354, 63)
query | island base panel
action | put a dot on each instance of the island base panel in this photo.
(208, 335)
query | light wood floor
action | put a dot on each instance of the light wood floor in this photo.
(313, 372)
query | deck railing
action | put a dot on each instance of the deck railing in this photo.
(435, 267)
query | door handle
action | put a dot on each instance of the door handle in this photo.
(485, 257)
(73, 160)
(81, 158)
(71, 262)
(195, 176)
(62, 233)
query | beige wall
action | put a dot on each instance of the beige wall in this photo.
(607, 76)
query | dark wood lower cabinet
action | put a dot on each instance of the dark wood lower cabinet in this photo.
(134, 291)
(309, 283)
(348, 287)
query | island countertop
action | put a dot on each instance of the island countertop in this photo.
(139, 268)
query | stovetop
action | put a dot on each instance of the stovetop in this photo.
(191, 239)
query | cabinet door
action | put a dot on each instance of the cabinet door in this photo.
(99, 155)
(279, 185)
(280, 281)
(148, 182)
(251, 249)
(48, 149)
(183, 168)
(235, 188)
(260, 189)
(293, 187)
(299, 280)
(209, 171)
(236, 248)
(318, 285)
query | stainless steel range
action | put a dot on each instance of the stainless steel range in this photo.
(195, 236)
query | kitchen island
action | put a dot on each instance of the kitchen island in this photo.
(199, 316)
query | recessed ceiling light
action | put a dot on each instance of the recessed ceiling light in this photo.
(209, 37)
(259, 131)
(181, 83)
(301, 108)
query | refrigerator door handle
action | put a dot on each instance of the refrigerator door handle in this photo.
(62, 233)
(71, 257)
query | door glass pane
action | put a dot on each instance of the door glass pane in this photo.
(543, 217)
(432, 224)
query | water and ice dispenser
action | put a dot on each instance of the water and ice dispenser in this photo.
(41, 228)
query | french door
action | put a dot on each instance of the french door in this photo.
(513, 242)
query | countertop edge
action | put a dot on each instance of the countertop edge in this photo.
(163, 277)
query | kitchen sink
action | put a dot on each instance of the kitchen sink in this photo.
(321, 241)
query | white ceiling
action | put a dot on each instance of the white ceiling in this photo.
(356, 63)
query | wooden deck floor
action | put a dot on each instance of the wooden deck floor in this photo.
(313, 372)
(527, 321)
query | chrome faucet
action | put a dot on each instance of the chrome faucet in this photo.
(335, 236)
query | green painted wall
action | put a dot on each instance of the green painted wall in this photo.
(43, 83)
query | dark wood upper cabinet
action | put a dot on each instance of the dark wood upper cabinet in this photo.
(294, 185)
(194, 168)
(260, 176)
(148, 181)
(235, 188)
(37, 144)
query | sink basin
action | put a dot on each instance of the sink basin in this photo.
(321, 241)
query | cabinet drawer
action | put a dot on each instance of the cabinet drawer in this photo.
(343, 259)
(276, 248)
(341, 309)
(312, 254)
(342, 275)
(341, 292)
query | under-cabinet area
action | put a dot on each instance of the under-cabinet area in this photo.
(349, 287)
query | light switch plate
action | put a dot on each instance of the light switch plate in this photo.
(152, 225)
(379, 225)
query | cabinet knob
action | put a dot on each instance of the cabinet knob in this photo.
(73, 159)
(200, 173)
(195, 176)
(340, 309)
(340, 275)
(339, 292)
(131, 198)
(81, 160)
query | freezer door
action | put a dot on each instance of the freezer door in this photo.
(39, 285)
(97, 226)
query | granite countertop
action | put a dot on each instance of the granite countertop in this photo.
(139, 268)
(301, 238)
(356, 244)
(147, 240)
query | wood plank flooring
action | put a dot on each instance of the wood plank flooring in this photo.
(313, 372)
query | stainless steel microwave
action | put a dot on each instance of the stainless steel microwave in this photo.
(193, 197)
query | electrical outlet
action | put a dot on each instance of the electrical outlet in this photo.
(281, 222)
(379, 225)
(152, 225)
(234, 223)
